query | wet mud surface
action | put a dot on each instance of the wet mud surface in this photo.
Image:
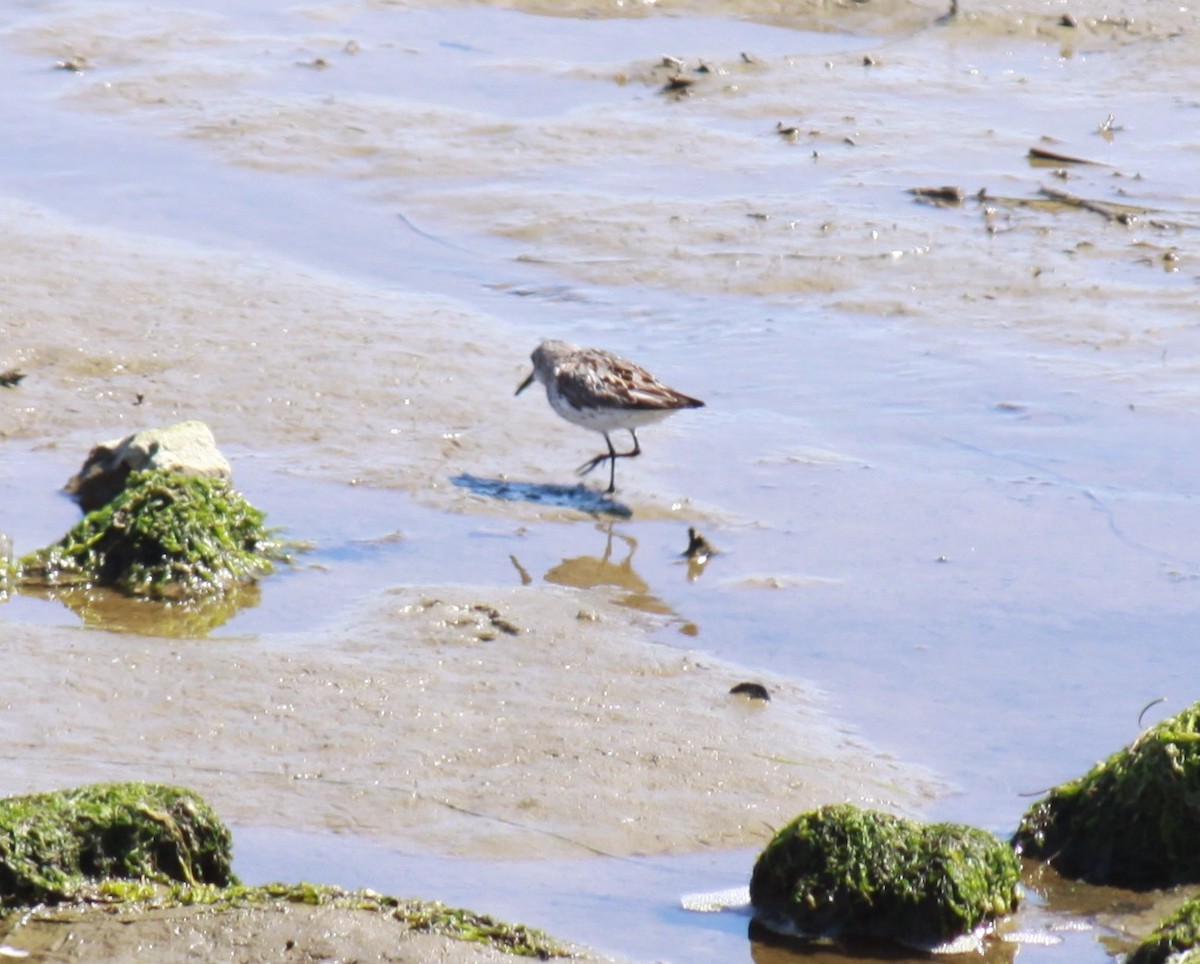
(948, 452)
(498, 724)
(287, 932)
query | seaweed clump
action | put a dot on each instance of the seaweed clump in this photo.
(132, 848)
(466, 925)
(166, 536)
(842, 871)
(54, 845)
(1130, 821)
(1172, 939)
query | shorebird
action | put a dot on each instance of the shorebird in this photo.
(598, 390)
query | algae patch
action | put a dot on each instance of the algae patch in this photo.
(130, 851)
(1176, 939)
(1132, 820)
(842, 871)
(58, 846)
(166, 536)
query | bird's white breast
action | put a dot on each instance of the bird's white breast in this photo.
(604, 419)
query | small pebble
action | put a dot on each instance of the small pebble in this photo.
(754, 691)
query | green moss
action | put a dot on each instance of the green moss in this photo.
(1131, 821)
(843, 871)
(165, 536)
(466, 925)
(136, 847)
(1172, 939)
(54, 846)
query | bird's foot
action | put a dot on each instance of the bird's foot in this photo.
(590, 464)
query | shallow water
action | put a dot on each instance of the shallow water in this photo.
(949, 453)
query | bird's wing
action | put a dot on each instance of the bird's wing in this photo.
(600, 380)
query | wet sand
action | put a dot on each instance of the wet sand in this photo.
(540, 722)
(283, 933)
(404, 719)
(949, 448)
(482, 723)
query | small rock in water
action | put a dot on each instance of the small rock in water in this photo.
(698, 548)
(754, 691)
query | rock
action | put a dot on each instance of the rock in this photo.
(842, 871)
(164, 536)
(752, 691)
(54, 845)
(187, 448)
(276, 922)
(143, 872)
(1130, 821)
(1172, 939)
(698, 547)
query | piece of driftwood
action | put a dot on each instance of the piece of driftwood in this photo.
(1043, 156)
(946, 194)
(1120, 213)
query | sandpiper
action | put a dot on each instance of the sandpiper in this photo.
(596, 389)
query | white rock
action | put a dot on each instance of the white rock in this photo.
(188, 448)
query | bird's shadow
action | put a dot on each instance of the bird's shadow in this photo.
(578, 497)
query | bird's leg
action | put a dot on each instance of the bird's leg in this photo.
(611, 457)
(612, 474)
(637, 448)
(602, 457)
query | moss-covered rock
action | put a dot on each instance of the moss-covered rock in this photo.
(137, 848)
(55, 845)
(842, 871)
(1173, 939)
(1131, 821)
(165, 536)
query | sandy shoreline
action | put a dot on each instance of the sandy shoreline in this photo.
(537, 722)
(284, 932)
(563, 734)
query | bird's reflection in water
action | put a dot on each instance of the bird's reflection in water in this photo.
(594, 572)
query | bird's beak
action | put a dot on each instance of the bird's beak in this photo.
(525, 384)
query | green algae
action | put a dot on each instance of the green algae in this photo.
(136, 847)
(165, 536)
(1176, 939)
(436, 918)
(843, 871)
(61, 845)
(1132, 820)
